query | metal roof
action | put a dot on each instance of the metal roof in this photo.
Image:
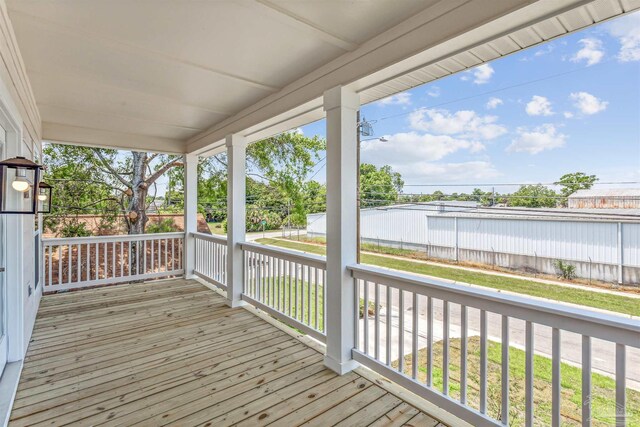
(606, 192)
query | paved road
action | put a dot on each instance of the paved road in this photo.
(602, 352)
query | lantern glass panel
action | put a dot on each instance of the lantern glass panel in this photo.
(18, 190)
(44, 198)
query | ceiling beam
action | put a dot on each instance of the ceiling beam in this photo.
(289, 18)
(91, 137)
(131, 49)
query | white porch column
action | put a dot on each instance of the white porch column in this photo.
(190, 212)
(236, 216)
(341, 106)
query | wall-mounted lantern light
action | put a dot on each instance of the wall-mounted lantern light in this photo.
(19, 179)
(44, 197)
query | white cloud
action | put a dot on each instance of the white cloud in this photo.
(587, 103)
(405, 146)
(482, 74)
(539, 106)
(493, 103)
(627, 31)
(591, 52)
(567, 114)
(447, 172)
(545, 137)
(403, 98)
(464, 124)
(434, 91)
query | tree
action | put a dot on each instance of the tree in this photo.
(277, 168)
(572, 182)
(379, 186)
(107, 179)
(534, 196)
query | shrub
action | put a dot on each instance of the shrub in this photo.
(565, 270)
(74, 228)
(255, 218)
(371, 311)
(166, 225)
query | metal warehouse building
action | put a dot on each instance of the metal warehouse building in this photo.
(603, 244)
(614, 198)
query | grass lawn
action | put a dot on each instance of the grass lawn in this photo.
(602, 401)
(292, 298)
(216, 228)
(620, 304)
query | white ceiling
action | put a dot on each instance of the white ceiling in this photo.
(171, 69)
(176, 76)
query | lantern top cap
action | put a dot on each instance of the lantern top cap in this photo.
(43, 184)
(20, 162)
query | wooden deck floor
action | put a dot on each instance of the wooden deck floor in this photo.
(172, 352)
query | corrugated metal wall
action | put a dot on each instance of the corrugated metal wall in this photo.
(556, 239)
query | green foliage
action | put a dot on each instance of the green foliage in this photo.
(572, 182)
(379, 186)
(162, 225)
(565, 270)
(534, 196)
(256, 216)
(73, 228)
(371, 309)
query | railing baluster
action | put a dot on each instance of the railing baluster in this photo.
(445, 347)
(483, 361)
(356, 311)
(528, 381)
(376, 332)
(464, 325)
(414, 337)
(308, 286)
(302, 278)
(401, 330)
(121, 259)
(429, 341)
(49, 250)
(324, 301)
(173, 254)
(365, 316)
(113, 259)
(555, 377)
(505, 370)
(144, 253)
(69, 262)
(388, 337)
(621, 380)
(289, 274)
(105, 260)
(586, 381)
(166, 253)
(317, 297)
(59, 264)
(79, 263)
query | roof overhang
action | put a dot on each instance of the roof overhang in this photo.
(122, 76)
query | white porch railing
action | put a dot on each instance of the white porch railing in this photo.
(89, 261)
(211, 258)
(390, 339)
(288, 285)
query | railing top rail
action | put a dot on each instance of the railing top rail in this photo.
(573, 319)
(116, 238)
(289, 255)
(210, 237)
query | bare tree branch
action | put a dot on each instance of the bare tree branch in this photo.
(173, 163)
(110, 169)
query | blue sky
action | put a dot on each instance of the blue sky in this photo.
(569, 105)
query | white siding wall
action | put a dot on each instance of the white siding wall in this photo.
(569, 240)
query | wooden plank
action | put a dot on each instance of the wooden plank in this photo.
(372, 412)
(422, 420)
(172, 352)
(396, 417)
